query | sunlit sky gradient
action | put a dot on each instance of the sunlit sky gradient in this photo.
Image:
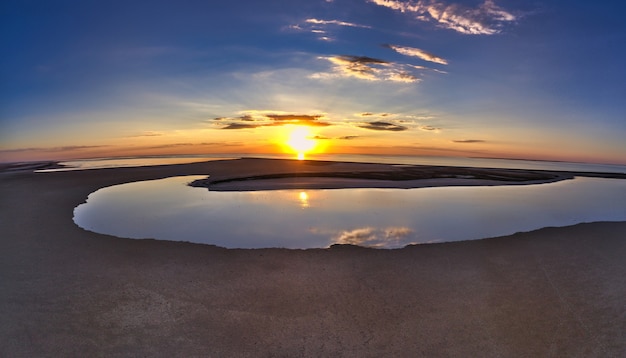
(517, 79)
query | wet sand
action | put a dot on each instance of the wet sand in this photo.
(68, 292)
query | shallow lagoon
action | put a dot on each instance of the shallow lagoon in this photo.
(168, 209)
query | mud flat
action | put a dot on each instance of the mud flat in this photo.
(68, 292)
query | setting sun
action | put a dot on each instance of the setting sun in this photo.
(300, 141)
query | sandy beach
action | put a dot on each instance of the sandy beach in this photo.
(67, 292)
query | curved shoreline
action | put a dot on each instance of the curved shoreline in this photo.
(69, 292)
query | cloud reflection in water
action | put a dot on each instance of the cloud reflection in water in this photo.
(386, 218)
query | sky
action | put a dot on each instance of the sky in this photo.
(540, 79)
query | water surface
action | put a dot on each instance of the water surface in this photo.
(361, 158)
(168, 209)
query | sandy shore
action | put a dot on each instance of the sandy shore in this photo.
(554, 292)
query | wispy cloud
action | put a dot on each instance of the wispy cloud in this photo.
(335, 22)
(383, 126)
(371, 114)
(469, 141)
(241, 126)
(430, 128)
(67, 148)
(323, 28)
(416, 52)
(345, 137)
(146, 134)
(367, 68)
(486, 19)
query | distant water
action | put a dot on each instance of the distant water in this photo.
(168, 209)
(124, 162)
(364, 158)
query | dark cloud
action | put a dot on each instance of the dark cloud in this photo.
(383, 126)
(362, 59)
(346, 137)
(304, 119)
(240, 126)
(469, 141)
(429, 128)
(293, 117)
(270, 120)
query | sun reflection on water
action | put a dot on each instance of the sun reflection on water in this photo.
(304, 199)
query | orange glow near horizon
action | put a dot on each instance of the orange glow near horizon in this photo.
(300, 140)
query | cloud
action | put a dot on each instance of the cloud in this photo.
(430, 128)
(346, 137)
(241, 126)
(171, 145)
(53, 149)
(372, 237)
(335, 22)
(293, 117)
(372, 114)
(487, 19)
(322, 27)
(469, 141)
(416, 52)
(383, 126)
(256, 119)
(146, 134)
(304, 119)
(367, 68)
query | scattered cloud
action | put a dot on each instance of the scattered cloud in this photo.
(335, 22)
(469, 141)
(322, 27)
(430, 128)
(55, 149)
(372, 114)
(383, 126)
(416, 52)
(241, 126)
(486, 19)
(367, 68)
(346, 137)
(67, 148)
(170, 145)
(256, 119)
(372, 237)
(146, 134)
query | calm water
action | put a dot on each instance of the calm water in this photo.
(125, 162)
(168, 209)
(421, 160)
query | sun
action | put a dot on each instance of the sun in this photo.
(301, 141)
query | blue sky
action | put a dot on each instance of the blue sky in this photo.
(518, 79)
